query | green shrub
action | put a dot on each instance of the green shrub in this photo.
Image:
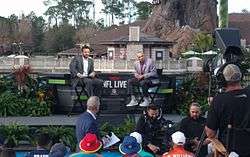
(121, 130)
(192, 92)
(12, 104)
(13, 134)
(61, 134)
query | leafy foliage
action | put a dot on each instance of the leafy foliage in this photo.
(123, 129)
(60, 134)
(13, 134)
(192, 92)
(27, 100)
(144, 9)
(203, 42)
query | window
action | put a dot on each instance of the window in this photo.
(110, 55)
(189, 63)
(158, 55)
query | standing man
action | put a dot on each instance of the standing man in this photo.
(230, 113)
(86, 122)
(145, 71)
(153, 127)
(178, 139)
(82, 73)
(192, 126)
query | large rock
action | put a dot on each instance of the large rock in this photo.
(170, 18)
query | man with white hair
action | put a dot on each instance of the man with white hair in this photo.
(178, 139)
(86, 122)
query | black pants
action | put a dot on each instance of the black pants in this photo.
(92, 85)
(144, 84)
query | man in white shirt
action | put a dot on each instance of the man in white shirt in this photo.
(82, 73)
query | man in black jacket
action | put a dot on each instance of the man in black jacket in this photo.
(154, 130)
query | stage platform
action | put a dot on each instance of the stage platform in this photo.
(58, 120)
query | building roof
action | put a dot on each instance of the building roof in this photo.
(109, 34)
(144, 39)
(242, 22)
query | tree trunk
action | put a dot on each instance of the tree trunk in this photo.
(223, 14)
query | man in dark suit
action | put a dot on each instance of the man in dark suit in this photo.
(82, 73)
(145, 71)
(86, 122)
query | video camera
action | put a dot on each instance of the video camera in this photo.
(228, 42)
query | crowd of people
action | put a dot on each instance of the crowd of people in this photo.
(227, 120)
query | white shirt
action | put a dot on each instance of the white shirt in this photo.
(85, 66)
(92, 114)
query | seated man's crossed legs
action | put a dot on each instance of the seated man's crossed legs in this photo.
(93, 86)
(144, 84)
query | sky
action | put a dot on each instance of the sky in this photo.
(18, 7)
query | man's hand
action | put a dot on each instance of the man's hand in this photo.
(92, 75)
(139, 77)
(153, 148)
(79, 75)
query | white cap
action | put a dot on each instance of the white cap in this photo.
(233, 154)
(137, 136)
(178, 138)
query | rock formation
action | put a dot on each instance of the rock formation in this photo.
(179, 20)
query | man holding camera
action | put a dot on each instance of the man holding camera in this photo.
(192, 126)
(153, 127)
(230, 113)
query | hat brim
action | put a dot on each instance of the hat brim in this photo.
(124, 150)
(89, 150)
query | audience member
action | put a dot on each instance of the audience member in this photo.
(89, 146)
(138, 138)
(153, 127)
(6, 152)
(130, 147)
(59, 150)
(178, 150)
(43, 146)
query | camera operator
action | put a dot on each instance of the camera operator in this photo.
(230, 114)
(192, 126)
(154, 130)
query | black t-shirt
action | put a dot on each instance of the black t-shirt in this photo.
(231, 108)
(193, 128)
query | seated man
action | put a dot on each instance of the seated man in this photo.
(192, 126)
(82, 73)
(152, 126)
(145, 71)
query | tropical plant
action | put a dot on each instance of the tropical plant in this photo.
(203, 42)
(13, 134)
(121, 130)
(192, 91)
(60, 134)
